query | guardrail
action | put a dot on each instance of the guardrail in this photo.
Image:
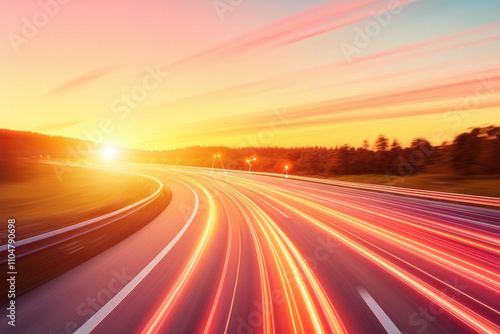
(87, 225)
(45, 256)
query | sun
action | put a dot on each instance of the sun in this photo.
(108, 152)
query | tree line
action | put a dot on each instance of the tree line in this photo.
(470, 153)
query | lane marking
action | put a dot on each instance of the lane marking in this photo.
(90, 324)
(272, 206)
(384, 319)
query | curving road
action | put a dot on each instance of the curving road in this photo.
(247, 253)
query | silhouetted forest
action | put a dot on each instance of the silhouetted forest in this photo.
(471, 153)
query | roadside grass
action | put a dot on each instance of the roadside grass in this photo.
(39, 201)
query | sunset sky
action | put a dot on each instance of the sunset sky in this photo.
(250, 72)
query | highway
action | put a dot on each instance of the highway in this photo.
(248, 253)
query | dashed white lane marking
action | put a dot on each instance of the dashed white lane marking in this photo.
(272, 206)
(384, 319)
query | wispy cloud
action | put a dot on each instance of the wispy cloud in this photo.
(80, 81)
(57, 126)
(303, 25)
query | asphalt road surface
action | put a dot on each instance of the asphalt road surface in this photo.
(247, 253)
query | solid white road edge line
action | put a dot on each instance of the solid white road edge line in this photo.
(90, 324)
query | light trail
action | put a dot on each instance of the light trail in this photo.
(274, 235)
(221, 281)
(254, 260)
(492, 282)
(466, 315)
(154, 325)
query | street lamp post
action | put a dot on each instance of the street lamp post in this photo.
(176, 164)
(162, 164)
(225, 172)
(213, 162)
(151, 164)
(285, 172)
(250, 164)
